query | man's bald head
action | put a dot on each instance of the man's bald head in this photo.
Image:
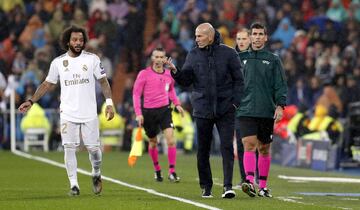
(204, 34)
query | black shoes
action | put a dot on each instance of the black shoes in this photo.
(74, 191)
(173, 177)
(158, 177)
(97, 184)
(228, 193)
(206, 193)
(264, 192)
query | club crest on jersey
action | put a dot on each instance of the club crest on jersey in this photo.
(65, 63)
(84, 68)
(101, 66)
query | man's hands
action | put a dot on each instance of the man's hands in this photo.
(24, 107)
(170, 64)
(140, 120)
(180, 109)
(278, 114)
(109, 112)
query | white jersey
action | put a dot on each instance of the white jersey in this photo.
(77, 81)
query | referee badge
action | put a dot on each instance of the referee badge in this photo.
(84, 68)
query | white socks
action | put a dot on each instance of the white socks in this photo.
(71, 163)
(95, 157)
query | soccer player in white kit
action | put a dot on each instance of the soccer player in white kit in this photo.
(77, 70)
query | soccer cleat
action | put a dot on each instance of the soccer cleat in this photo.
(264, 192)
(206, 193)
(228, 193)
(74, 191)
(248, 188)
(158, 177)
(173, 177)
(97, 184)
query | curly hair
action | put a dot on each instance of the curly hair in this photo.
(65, 37)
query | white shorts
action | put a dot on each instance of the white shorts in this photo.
(72, 132)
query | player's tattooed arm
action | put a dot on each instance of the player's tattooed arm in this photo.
(42, 89)
(105, 87)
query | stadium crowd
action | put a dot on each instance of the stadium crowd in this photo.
(318, 42)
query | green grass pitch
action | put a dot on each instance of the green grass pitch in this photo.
(30, 184)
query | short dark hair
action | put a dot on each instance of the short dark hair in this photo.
(258, 25)
(65, 37)
(159, 49)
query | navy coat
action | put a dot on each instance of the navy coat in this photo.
(216, 75)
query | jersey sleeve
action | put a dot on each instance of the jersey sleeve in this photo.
(172, 93)
(138, 92)
(53, 75)
(99, 71)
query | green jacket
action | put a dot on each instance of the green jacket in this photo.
(265, 84)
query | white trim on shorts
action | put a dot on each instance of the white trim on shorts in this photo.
(72, 132)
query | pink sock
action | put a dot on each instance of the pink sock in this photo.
(172, 159)
(264, 168)
(249, 165)
(153, 152)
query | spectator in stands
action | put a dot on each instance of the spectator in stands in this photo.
(172, 22)
(336, 11)
(78, 18)
(55, 27)
(185, 37)
(95, 17)
(325, 125)
(108, 28)
(285, 32)
(299, 93)
(298, 124)
(29, 32)
(133, 40)
(18, 23)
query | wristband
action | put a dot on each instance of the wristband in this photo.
(109, 102)
(31, 102)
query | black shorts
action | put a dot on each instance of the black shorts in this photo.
(261, 127)
(156, 119)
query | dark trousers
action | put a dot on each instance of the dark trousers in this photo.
(225, 126)
(240, 150)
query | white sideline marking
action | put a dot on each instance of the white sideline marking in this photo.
(81, 171)
(321, 179)
(291, 199)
